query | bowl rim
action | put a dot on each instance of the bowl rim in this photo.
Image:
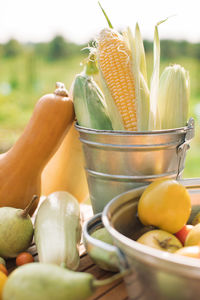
(140, 250)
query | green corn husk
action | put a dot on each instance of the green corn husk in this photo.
(173, 97)
(140, 76)
(140, 52)
(113, 111)
(91, 68)
(154, 117)
(89, 105)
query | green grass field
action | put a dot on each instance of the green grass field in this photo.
(25, 79)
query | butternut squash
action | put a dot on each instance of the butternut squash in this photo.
(65, 171)
(22, 165)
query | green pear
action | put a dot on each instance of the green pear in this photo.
(42, 281)
(47, 281)
(103, 258)
(102, 235)
(16, 230)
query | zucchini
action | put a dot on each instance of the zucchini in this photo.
(58, 230)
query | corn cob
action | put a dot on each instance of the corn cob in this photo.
(173, 97)
(89, 105)
(114, 59)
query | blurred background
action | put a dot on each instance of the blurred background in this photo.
(42, 42)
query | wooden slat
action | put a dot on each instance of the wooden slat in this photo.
(101, 292)
(118, 292)
(85, 263)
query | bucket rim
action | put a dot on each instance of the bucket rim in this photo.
(183, 129)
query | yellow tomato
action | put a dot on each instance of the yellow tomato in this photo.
(165, 204)
(3, 279)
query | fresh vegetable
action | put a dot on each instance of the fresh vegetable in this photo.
(114, 59)
(24, 258)
(47, 281)
(154, 118)
(173, 97)
(3, 279)
(139, 70)
(21, 166)
(132, 105)
(65, 171)
(16, 230)
(161, 240)
(193, 237)
(190, 251)
(58, 230)
(89, 103)
(182, 234)
(166, 204)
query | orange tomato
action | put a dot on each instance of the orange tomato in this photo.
(3, 279)
(24, 258)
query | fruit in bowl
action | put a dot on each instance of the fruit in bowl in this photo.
(161, 240)
(165, 204)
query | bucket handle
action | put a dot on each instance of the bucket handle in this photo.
(181, 150)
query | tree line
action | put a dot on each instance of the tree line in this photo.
(59, 48)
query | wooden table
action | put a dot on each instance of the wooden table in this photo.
(116, 290)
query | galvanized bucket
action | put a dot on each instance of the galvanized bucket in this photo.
(152, 273)
(117, 161)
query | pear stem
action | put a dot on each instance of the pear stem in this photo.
(26, 211)
(98, 283)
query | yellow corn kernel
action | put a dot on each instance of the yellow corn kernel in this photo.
(114, 59)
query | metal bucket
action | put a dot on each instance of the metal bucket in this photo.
(117, 161)
(153, 274)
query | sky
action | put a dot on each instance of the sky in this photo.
(81, 20)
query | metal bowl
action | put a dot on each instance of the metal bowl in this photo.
(153, 274)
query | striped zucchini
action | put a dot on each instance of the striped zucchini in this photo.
(58, 230)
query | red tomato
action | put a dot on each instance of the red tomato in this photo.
(24, 258)
(182, 234)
